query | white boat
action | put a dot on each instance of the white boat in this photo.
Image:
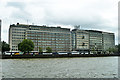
(74, 52)
(62, 53)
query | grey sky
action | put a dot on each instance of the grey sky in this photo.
(90, 14)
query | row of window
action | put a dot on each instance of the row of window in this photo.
(51, 44)
(15, 49)
(50, 37)
(48, 29)
(17, 35)
(45, 39)
(18, 38)
(18, 32)
(62, 47)
(18, 29)
(42, 36)
(36, 35)
(50, 41)
(46, 33)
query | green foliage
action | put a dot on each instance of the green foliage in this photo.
(20, 47)
(110, 50)
(116, 49)
(26, 46)
(113, 50)
(119, 48)
(40, 50)
(93, 50)
(49, 50)
(5, 47)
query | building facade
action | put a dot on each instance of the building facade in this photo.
(60, 39)
(0, 37)
(96, 40)
(108, 40)
(17, 34)
(80, 40)
(56, 38)
(92, 41)
(0, 29)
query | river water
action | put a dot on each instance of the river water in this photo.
(81, 67)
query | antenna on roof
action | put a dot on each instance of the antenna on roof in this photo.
(27, 21)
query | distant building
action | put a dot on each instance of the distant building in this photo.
(0, 30)
(108, 40)
(61, 39)
(80, 40)
(92, 40)
(96, 40)
(55, 37)
(17, 33)
(0, 37)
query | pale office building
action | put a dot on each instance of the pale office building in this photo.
(56, 38)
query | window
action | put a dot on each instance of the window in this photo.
(83, 44)
(83, 37)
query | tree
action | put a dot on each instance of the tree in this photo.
(93, 50)
(49, 50)
(40, 50)
(5, 47)
(26, 45)
(118, 48)
(113, 50)
(109, 50)
(19, 47)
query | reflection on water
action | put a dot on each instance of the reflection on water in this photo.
(94, 67)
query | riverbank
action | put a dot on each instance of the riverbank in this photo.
(55, 56)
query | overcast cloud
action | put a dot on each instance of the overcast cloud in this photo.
(90, 14)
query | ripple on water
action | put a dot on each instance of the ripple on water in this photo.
(99, 67)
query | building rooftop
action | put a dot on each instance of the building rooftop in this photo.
(35, 26)
(57, 27)
(92, 31)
